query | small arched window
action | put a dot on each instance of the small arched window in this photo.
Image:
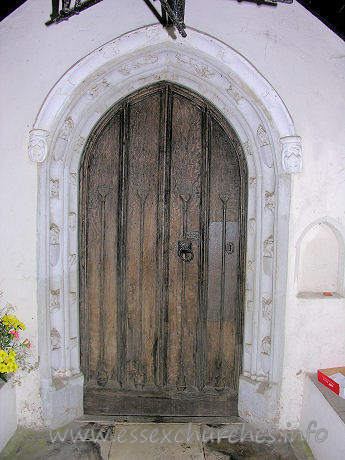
(320, 261)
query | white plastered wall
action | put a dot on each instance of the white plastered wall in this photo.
(300, 58)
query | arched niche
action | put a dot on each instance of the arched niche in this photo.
(272, 149)
(320, 260)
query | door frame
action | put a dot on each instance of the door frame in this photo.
(273, 152)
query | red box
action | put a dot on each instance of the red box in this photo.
(334, 379)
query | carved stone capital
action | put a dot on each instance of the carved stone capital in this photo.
(291, 154)
(38, 146)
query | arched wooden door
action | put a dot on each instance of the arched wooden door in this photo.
(162, 229)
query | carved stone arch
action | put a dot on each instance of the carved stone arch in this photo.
(266, 132)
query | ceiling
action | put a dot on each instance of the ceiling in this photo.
(330, 12)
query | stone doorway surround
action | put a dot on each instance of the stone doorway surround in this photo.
(273, 152)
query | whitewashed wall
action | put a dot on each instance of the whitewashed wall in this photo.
(298, 55)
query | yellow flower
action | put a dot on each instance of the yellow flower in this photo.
(10, 321)
(3, 355)
(8, 362)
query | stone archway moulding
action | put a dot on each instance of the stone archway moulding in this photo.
(72, 108)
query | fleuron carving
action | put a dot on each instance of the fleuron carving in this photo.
(234, 93)
(266, 346)
(269, 201)
(73, 179)
(264, 142)
(72, 219)
(79, 145)
(55, 300)
(126, 69)
(54, 234)
(199, 67)
(54, 188)
(54, 241)
(55, 339)
(247, 150)
(66, 129)
(73, 342)
(247, 347)
(250, 305)
(267, 308)
(98, 88)
(73, 297)
(251, 265)
(268, 247)
(268, 255)
(252, 226)
(262, 136)
(72, 259)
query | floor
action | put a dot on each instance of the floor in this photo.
(152, 441)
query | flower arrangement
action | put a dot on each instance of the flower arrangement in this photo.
(10, 344)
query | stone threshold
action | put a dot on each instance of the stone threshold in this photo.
(101, 438)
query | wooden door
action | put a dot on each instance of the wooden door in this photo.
(162, 225)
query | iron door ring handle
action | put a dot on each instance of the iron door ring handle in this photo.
(185, 251)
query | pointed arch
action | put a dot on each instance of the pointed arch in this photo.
(265, 129)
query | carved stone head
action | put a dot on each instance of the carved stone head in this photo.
(38, 145)
(292, 154)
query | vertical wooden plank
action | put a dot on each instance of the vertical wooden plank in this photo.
(121, 330)
(201, 339)
(166, 255)
(101, 161)
(83, 291)
(162, 239)
(143, 170)
(223, 294)
(186, 163)
(102, 371)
